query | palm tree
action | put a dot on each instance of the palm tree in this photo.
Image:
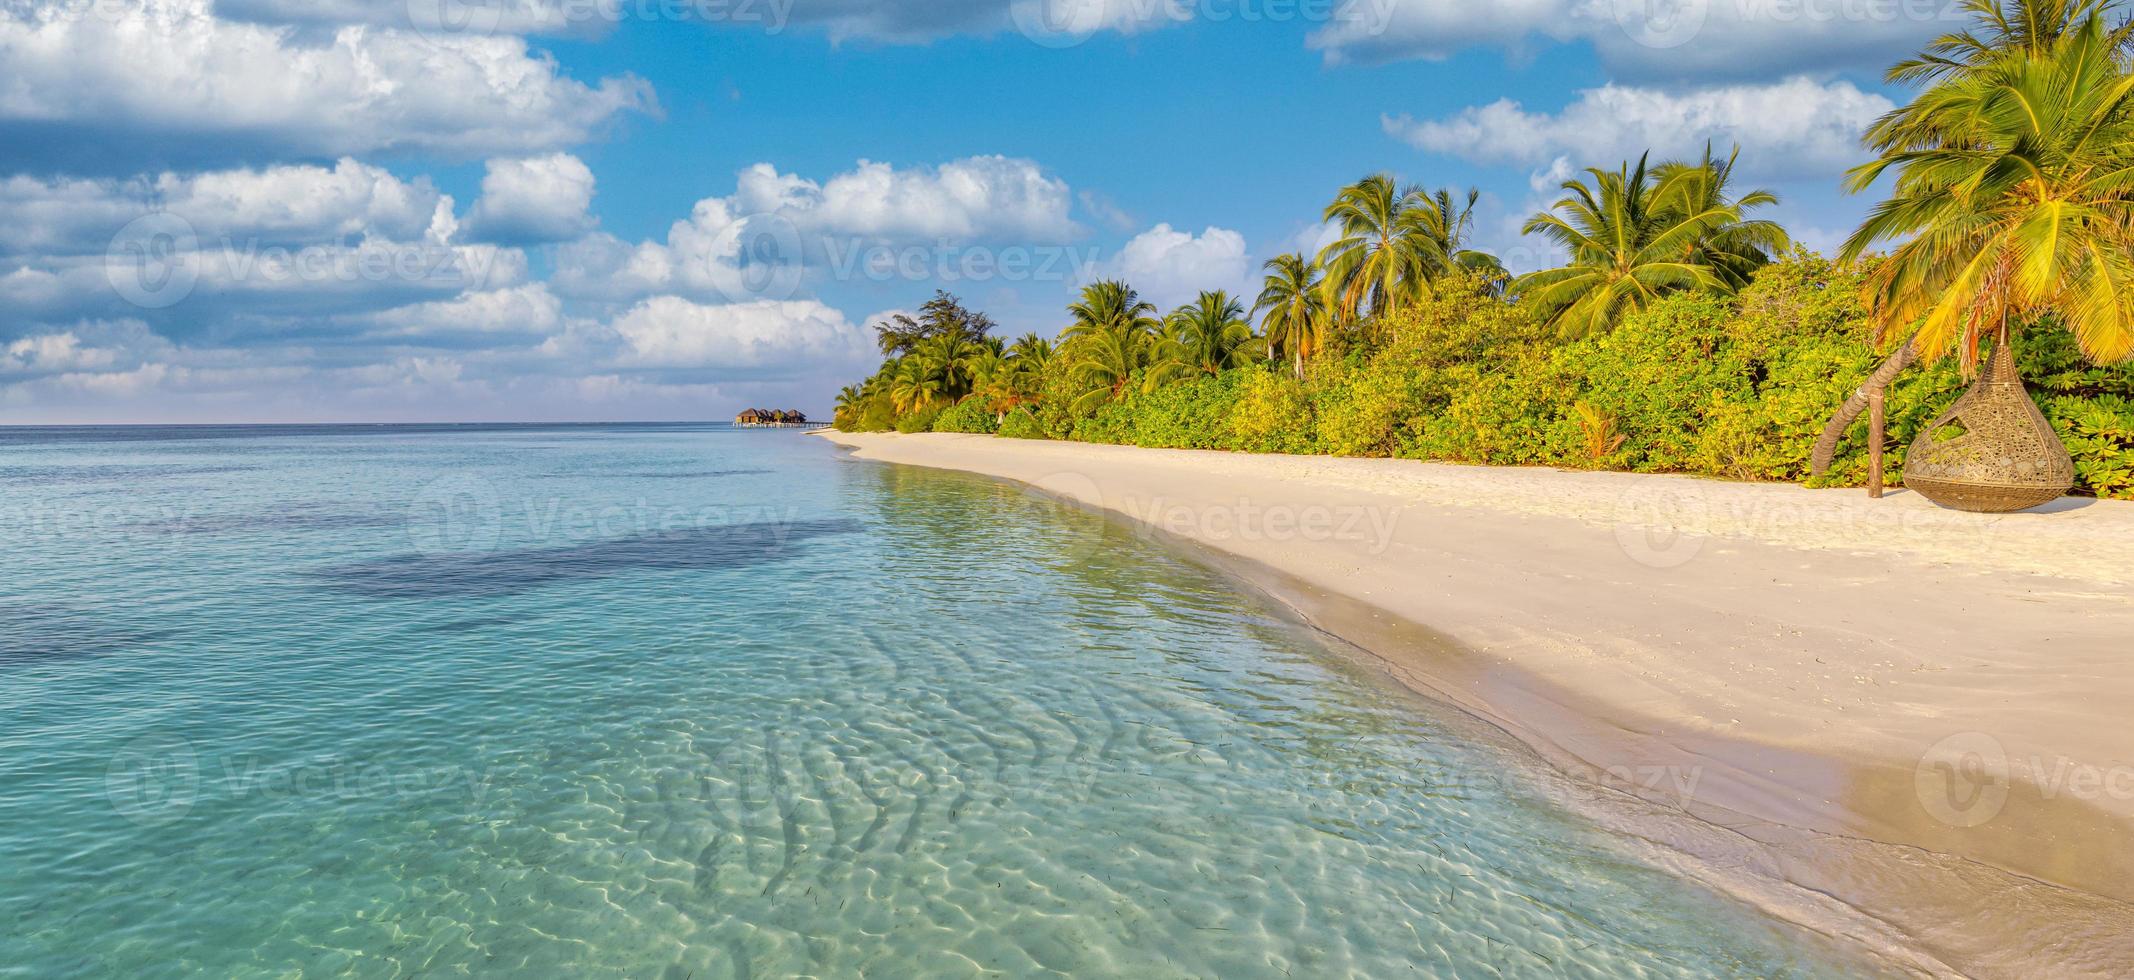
(1205, 337)
(2031, 27)
(1633, 236)
(1030, 354)
(849, 400)
(1735, 252)
(2027, 209)
(1109, 305)
(914, 385)
(1110, 340)
(947, 357)
(1395, 244)
(1961, 124)
(1448, 222)
(1374, 257)
(1292, 308)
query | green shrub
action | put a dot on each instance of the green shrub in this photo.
(2099, 433)
(1111, 424)
(1271, 415)
(876, 416)
(1189, 414)
(1022, 424)
(968, 415)
(921, 420)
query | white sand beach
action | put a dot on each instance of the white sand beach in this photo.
(1879, 703)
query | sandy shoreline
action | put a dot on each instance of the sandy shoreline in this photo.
(1918, 713)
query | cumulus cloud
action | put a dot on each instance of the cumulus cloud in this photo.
(1050, 22)
(476, 318)
(1792, 128)
(534, 199)
(1055, 22)
(759, 242)
(436, 17)
(1690, 39)
(282, 204)
(761, 338)
(87, 347)
(1170, 267)
(972, 199)
(141, 79)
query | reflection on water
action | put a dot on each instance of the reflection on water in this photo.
(931, 727)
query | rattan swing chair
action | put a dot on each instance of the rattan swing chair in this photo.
(1992, 452)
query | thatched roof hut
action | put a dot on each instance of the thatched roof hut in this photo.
(763, 416)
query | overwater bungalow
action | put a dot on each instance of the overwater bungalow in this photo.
(755, 417)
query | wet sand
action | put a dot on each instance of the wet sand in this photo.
(1885, 720)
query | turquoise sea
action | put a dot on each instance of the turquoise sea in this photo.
(692, 702)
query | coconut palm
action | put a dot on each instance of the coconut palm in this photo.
(1109, 305)
(1110, 340)
(2035, 230)
(947, 357)
(1395, 244)
(1204, 337)
(2026, 210)
(1292, 308)
(848, 402)
(1104, 363)
(2002, 26)
(1735, 252)
(914, 385)
(1633, 237)
(1448, 222)
(1030, 354)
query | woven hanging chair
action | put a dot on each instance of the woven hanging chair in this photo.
(1992, 452)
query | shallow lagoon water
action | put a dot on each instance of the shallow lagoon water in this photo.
(694, 702)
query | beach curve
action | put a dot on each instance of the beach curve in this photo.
(1902, 708)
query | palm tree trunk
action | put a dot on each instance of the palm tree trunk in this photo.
(1826, 446)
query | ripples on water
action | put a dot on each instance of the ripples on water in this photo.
(802, 716)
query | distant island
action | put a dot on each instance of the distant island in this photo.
(769, 417)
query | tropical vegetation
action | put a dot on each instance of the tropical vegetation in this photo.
(1681, 331)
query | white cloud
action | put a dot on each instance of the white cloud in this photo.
(436, 16)
(759, 338)
(1170, 267)
(1101, 207)
(1792, 128)
(1053, 23)
(1688, 39)
(1313, 238)
(975, 198)
(283, 204)
(529, 310)
(1385, 30)
(759, 242)
(143, 73)
(534, 199)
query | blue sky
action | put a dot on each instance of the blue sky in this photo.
(313, 210)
